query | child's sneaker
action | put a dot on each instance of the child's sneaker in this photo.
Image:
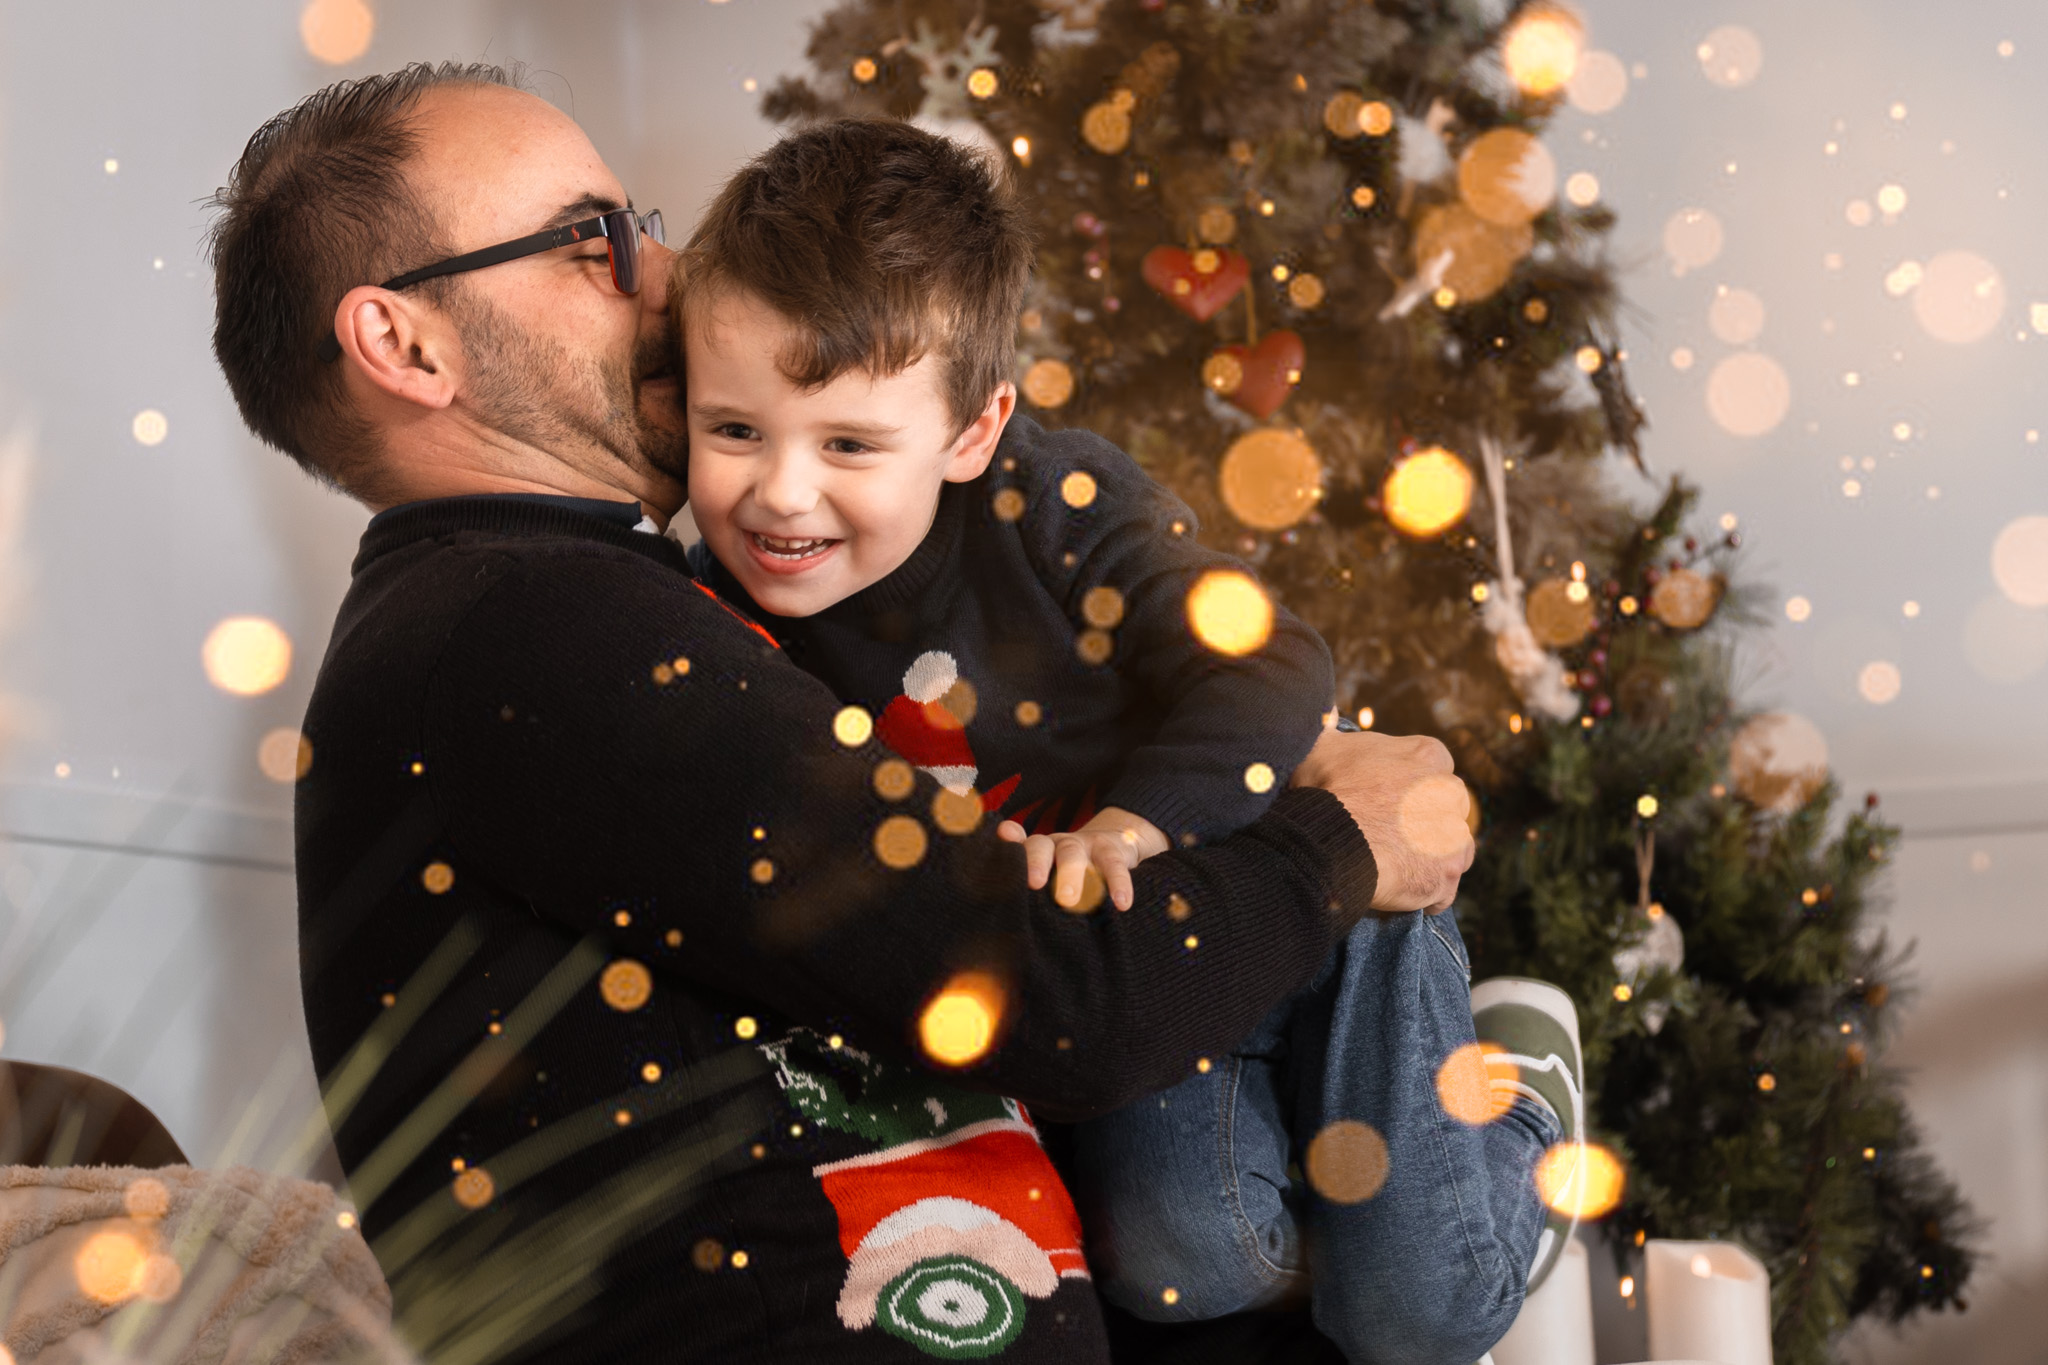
(1536, 1026)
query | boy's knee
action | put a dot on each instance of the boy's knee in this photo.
(1162, 1264)
(1410, 1323)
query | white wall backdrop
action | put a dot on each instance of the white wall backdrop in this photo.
(146, 912)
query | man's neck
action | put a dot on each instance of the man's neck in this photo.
(437, 470)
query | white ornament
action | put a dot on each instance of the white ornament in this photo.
(946, 70)
(1538, 675)
(1659, 946)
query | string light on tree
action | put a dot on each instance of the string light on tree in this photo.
(1427, 493)
(1541, 49)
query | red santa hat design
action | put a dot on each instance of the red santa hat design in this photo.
(919, 727)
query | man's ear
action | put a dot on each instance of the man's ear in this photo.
(398, 347)
(974, 447)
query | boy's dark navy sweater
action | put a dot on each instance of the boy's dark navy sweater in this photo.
(617, 1005)
(1057, 583)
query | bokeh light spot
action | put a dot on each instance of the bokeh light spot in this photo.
(146, 1197)
(2005, 642)
(1229, 612)
(1048, 383)
(1879, 682)
(337, 31)
(246, 655)
(900, 842)
(1749, 394)
(1778, 760)
(1797, 609)
(894, 779)
(2019, 561)
(284, 755)
(438, 878)
(1541, 50)
(150, 427)
(1583, 189)
(1464, 1084)
(1427, 493)
(746, 1026)
(1960, 299)
(1507, 177)
(474, 1188)
(1008, 505)
(1692, 238)
(1102, 607)
(1271, 478)
(956, 812)
(1582, 1180)
(1346, 1162)
(1078, 488)
(109, 1267)
(1029, 713)
(1731, 56)
(1736, 316)
(853, 726)
(958, 1026)
(1599, 84)
(625, 985)
(1259, 778)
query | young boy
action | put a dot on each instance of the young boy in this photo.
(1013, 605)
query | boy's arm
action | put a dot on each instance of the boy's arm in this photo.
(1233, 727)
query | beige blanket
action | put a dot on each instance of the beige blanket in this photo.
(174, 1266)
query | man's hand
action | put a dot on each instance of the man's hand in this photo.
(1409, 805)
(1113, 843)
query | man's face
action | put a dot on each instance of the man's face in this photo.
(809, 496)
(556, 357)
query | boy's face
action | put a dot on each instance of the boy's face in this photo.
(809, 496)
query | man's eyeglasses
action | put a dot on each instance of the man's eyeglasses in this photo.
(620, 228)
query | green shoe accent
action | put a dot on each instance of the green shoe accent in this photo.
(1537, 1027)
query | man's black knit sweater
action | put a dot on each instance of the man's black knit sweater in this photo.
(614, 980)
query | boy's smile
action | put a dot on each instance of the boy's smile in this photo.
(807, 496)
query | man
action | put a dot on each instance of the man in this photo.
(662, 1013)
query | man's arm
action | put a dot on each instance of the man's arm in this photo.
(617, 749)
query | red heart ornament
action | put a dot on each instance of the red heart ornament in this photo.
(1271, 370)
(1199, 293)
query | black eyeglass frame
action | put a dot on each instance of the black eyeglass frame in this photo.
(621, 229)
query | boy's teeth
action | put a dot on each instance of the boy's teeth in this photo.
(794, 549)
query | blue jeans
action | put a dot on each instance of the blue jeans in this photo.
(1191, 1189)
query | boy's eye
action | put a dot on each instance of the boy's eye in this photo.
(733, 431)
(846, 445)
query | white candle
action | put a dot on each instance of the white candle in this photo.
(1556, 1323)
(1708, 1301)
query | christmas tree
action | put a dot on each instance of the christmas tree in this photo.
(1306, 260)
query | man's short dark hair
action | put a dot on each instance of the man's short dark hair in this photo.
(318, 204)
(880, 243)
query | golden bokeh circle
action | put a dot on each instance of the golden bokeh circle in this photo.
(337, 32)
(1346, 1162)
(1481, 256)
(1102, 607)
(1008, 505)
(1541, 50)
(474, 1188)
(1271, 478)
(1464, 1084)
(956, 812)
(853, 726)
(1376, 119)
(958, 1026)
(1048, 383)
(1259, 778)
(894, 779)
(284, 755)
(1029, 713)
(982, 83)
(900, 842)
(1581, 1180)
(246, 655)
(1078, 488)
(865, 69)
(626, 985)
(150, 427)
(1363, 196)
(651, 1072)
(1092, 893)
(708, 1255)
(1507, 177)
(762, 872)
(1559, 618)
(160, 1279)
(1229, 612)
(146, 1197)
(109, 1266)
(1106, 128)
(1427, 493)
(1684, 599)
(438, 878)
(1223, 373)
(1306, 291)
(1340, 114)
(1094, 647)
(1216, 225)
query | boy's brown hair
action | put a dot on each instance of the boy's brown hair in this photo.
(881, 244)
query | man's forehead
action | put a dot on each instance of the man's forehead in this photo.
(497, 163)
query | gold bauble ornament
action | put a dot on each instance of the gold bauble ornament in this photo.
(1779, 760)
(1483, 256)
(1223, 373)
(1048, 383)
(1558, 617)
(1271, 478)
(1306, 291)
(1684, 600)
(1340, 115)
(1507, 177)
(1106, 128)
(1217, 225)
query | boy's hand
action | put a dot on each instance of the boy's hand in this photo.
(1113, 843)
